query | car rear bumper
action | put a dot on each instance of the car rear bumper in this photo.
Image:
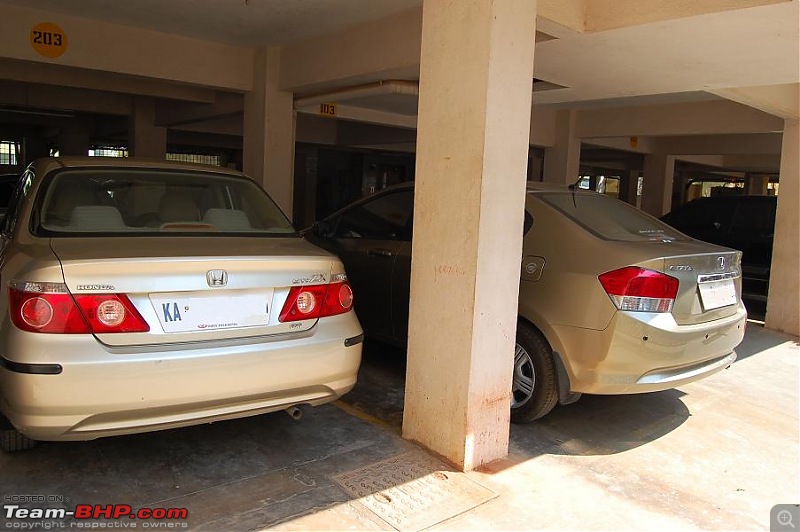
(647, 352)
(104, 391)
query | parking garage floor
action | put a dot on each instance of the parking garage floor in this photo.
(716, 454)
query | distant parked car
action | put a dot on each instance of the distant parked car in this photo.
(612, 301)
(746, 223)
(7, 184)
(140, 296)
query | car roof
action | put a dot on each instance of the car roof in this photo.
(531, 186)
(49, 163)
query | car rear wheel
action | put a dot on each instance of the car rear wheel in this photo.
(11, 440)
(533, 391)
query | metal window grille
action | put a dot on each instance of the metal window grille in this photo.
(107, 151)
(8, 152)
(213, 160)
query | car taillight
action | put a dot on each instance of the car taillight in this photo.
(50, 308)
(316, 301)
(640, 290)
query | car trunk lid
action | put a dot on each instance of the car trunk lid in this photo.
(709, 277)
(195, 288)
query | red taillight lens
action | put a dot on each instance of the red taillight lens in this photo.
(317, 301)
(50, 308)
(640, 290)
(111, 313)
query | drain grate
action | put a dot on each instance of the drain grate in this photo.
(413, 491)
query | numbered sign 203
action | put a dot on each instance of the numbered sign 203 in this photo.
(48, 39)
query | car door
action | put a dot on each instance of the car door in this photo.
(369, 237)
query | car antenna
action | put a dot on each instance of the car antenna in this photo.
(572, 188)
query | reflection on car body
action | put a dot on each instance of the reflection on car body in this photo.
(144, 296)
(612, 301)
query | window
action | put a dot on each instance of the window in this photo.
(106, 151)
(155, 202)
(8, 152)
(610, 218)
(212, 160)
(387, 217)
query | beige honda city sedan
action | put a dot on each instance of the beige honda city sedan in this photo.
(142, 295)
(611, 300)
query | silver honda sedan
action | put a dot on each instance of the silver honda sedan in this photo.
(140, 296)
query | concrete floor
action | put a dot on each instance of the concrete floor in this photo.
(716, 454)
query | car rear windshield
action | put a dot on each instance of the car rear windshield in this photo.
(113, 201)
(610, 218)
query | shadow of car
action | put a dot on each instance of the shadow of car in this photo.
(746, 223)
(611, 301)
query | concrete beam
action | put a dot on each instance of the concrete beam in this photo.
(225, 104)
(779, 100)
(79, 78)
(744, 144)
(708, 117)
(63, 98)
(98, 45)
(603, 15)
(385, 49)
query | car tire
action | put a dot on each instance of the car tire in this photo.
(11, 440)
(534, 392)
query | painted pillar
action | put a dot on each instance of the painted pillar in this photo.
(629, 187)
(269, 125)
(73, 138)
(145, 139)
(562, 161)
(783, 301)
(756, 184)
(659, 169)
(472, 148)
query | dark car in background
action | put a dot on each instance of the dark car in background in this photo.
(7, 184)
(746, 223)
(611, 300)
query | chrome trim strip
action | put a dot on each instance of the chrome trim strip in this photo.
(711, 277)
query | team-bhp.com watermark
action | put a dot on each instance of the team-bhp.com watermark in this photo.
(39, 512)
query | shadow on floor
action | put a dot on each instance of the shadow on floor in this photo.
(592, 426)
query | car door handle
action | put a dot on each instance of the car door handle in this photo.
(379, 253)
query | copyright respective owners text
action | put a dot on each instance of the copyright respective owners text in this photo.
(60, 512)
(784, 517)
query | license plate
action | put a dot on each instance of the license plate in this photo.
(209, 311)
(717, 294)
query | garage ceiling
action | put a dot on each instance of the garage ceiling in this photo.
(234, 22)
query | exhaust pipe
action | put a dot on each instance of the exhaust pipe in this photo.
(294, 413)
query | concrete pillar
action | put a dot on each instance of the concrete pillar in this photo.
(269, 126)
(659, 169)
(73, 138)
(783, 301)
(562, 161)
(629, 187)
(34, 146)
(756, 184)
(472, 147)
(145, 139)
